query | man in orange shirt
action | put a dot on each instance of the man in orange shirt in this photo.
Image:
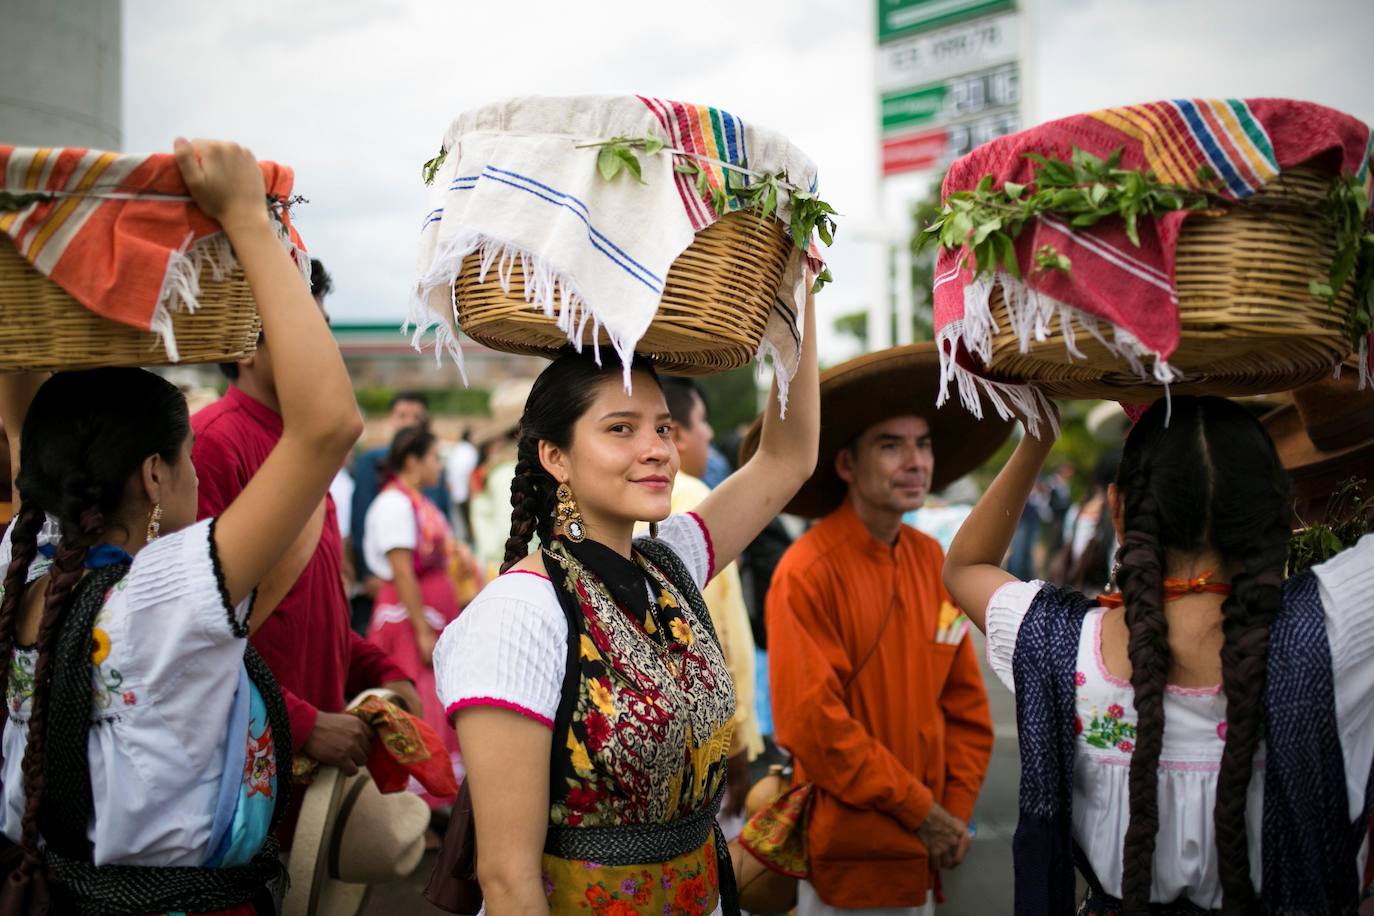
(876, 688)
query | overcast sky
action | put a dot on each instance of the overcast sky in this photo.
(356, 94)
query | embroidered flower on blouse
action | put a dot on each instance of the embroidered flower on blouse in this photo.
(1077, 725)
(1110, 731)
(260, 763)
(129, 698)
(1221, 730)
(100, 646)
(1079, 678)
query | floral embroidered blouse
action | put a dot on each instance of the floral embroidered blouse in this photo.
(178, 742)
(651, 729)
(1185, 861)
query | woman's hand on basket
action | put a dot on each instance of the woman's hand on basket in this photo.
(224, 180)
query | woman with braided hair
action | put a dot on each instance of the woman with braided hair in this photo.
(142, 764)
(591, 698)
(1201, 742)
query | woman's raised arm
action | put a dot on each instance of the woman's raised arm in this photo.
(738, 509)
(973, 565)
(319, 415)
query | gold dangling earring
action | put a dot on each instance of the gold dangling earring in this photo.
(155, 522)
(567, 515)
(653, 530)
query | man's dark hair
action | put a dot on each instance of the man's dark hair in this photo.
(321, 283)
(419, 397)
(682, 395)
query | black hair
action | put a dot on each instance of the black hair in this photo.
(411, 442)
(560, 396)
(85, 439)
(417, 397)
(1207, 477)
(682, 395)
(321, 283)
(1106, 469)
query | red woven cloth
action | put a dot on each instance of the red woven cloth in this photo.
(120, 232)
(1129, 289)
(403, 746)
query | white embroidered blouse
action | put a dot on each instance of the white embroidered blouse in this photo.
(169, 659)
(1185, 860)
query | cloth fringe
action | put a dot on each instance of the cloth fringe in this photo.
(545, 288)
(1032, 316)
(181, 283)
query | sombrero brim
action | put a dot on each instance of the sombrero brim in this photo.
(901, 381)
(1310, 467)
(312, 889)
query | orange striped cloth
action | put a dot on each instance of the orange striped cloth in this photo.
(119, 232)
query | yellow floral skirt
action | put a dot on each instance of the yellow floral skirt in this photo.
(685, 886)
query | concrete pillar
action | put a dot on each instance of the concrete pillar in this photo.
(60, 73)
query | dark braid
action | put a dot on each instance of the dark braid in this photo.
(1141, 578)
(62, 581)
(532, 502)
(560, 396)
(84, 440)
(1208, 479)
(23, 548)
(1256, 595)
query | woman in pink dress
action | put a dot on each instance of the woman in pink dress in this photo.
(408, 545)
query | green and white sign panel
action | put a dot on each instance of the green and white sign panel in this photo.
(902, 17)
(948, 78)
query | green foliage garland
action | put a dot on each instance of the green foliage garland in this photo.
(985, 221)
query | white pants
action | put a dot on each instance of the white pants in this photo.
(809, 904)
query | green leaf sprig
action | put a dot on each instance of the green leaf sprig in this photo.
(431, 168)
(1348, 210)
(762, 195)
(1087, 189)
(12, 201)
(1319, 543)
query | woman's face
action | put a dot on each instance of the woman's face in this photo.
(428, 467)
(178, 489)
(622, 463)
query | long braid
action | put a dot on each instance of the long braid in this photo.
(531, 500)
(23, 549)
(1256, 595)
(66, 572)
(1141, 578)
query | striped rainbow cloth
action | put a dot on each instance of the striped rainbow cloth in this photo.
(520, 182)
(119, 232)
(718, 138)
(1124, 290)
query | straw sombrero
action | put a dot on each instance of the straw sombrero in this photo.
(901, 381)
(350, 836)
(1323, 438)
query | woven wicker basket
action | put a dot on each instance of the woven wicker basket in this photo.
(1250, 325)
(713, 313)
(44, 328)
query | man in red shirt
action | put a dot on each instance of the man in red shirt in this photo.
(318, 660)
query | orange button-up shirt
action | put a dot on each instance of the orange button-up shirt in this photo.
(911, 729)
